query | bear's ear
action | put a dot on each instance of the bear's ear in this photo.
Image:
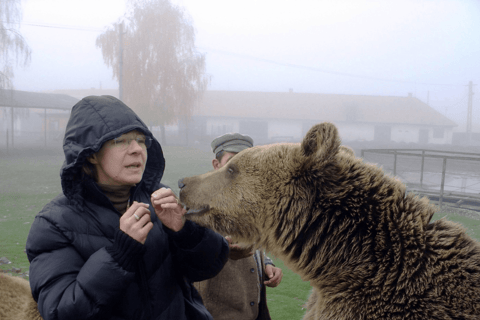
(321, 142)
(347, 150)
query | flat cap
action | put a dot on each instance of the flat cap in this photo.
(231, 142)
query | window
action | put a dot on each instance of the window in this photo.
(382, 134)
(438, 133)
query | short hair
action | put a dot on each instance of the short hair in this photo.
(219, 155)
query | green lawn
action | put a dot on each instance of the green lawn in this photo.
(287, 300)
(29, 181)
(472, 226)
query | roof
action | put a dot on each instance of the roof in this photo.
(26, 99)
(320, 107)
(82, 93)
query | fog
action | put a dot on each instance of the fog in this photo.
(269, 61)
(382, 48)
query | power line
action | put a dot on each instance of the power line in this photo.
(458, 102)
(243, 56)
(62, 27)
(291, 65)
(58, 26)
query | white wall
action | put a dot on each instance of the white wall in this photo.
(407, 134)
(399, 133)
(217, 127)
(447, 137)
(355, 131)
(285, 129)
(292, 130)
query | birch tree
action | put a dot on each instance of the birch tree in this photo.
(163, 73)
(14, 50)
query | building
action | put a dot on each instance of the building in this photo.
(32, 118)
(287, 116)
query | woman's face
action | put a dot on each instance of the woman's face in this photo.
(121, 161)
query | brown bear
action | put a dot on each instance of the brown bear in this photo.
(16, 301)
(367, 247)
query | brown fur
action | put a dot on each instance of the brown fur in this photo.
(367, 247)
(16, 302)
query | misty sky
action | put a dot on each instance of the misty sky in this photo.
(428, 48)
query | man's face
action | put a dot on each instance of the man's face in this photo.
(226, 156)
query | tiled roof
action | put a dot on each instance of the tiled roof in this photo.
(320, 107)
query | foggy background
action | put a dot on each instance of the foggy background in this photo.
(430, 49)
(359, 49)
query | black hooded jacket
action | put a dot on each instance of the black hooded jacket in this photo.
(83, 267)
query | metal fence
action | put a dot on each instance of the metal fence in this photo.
(450, 176)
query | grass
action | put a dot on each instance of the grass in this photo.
(184, 162)
(28, 182)
(472, 226)
(31, 180)
(287, 300)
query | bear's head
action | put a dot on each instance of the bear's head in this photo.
(247, 195)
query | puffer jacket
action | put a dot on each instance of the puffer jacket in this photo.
(82, 266)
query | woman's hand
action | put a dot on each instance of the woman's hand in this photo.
(168, 209)
(136, 221)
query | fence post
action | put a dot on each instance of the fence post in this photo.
(395, 163)
(442, 186)
(45, 128)
(464, 184)
(421, 170)
(7, 140)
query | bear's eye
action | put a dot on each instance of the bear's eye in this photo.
(230, 170)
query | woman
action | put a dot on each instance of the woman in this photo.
(115, 244)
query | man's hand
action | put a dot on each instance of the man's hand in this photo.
(237, 252)
(168, 209)
(274, 274)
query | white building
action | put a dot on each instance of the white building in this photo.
(287, 116)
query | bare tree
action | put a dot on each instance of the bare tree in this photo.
(13, 47)
(163, 73)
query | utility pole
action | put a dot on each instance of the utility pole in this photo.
(469, 113)
(120, 63)
(12, 123)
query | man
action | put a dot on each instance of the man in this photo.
(238, 292)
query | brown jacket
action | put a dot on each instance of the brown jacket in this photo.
(235, 292)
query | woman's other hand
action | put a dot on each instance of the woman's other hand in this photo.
(168, 209)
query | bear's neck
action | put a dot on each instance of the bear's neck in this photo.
(340, 241)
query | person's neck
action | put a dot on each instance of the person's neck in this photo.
(118, 195)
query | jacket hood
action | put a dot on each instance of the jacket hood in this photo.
(93, 121)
